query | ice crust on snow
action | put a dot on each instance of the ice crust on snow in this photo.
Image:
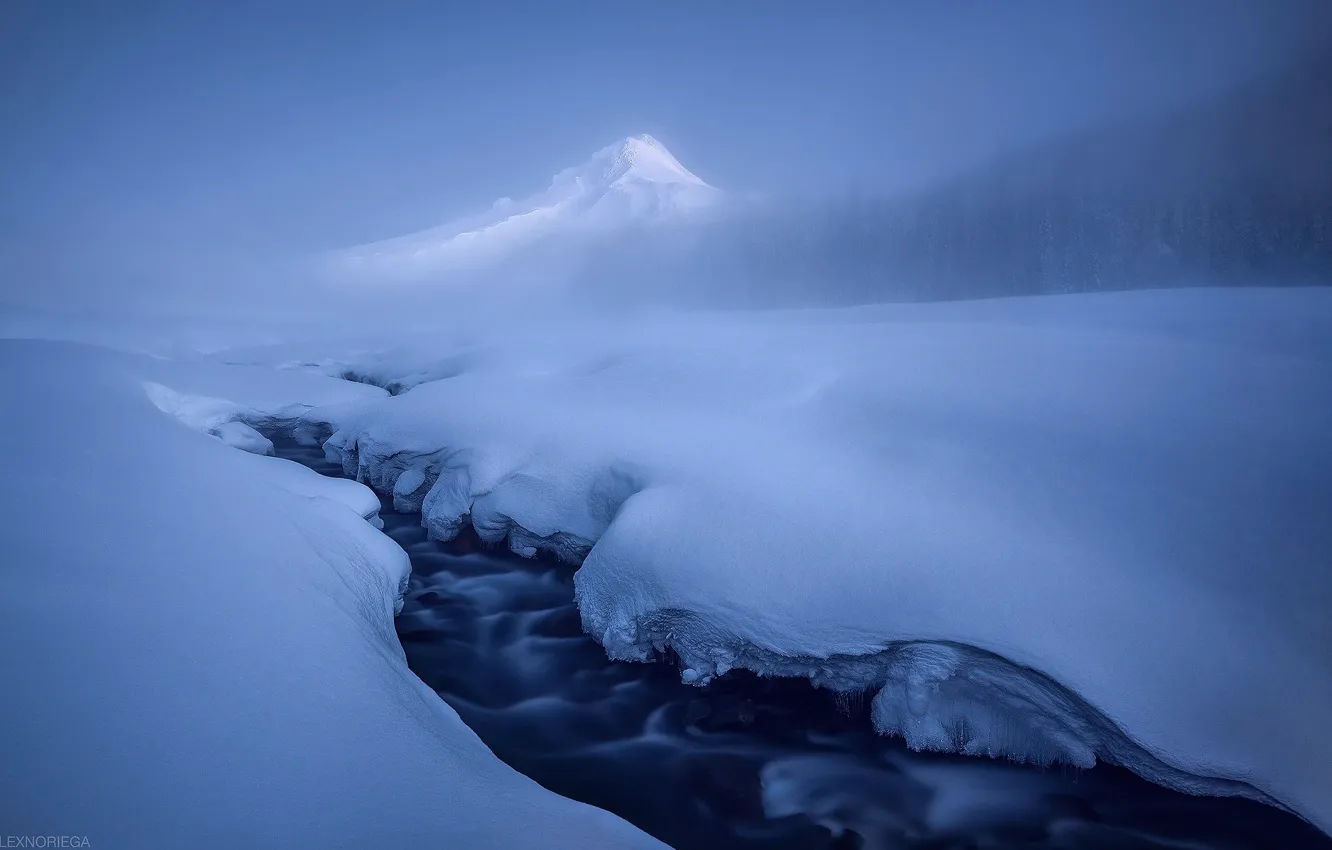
(206, 656)
(1064, 529)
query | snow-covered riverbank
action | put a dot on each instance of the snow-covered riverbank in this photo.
(1050, 529)
(747, 762)
(201, 653)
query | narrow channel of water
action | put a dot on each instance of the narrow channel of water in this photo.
(746, 762)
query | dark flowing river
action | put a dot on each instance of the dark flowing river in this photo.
(745, 762)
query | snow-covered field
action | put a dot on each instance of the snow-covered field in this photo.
(1059, 529)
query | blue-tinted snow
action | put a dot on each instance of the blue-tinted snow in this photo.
(1123, 493)
(200, 652)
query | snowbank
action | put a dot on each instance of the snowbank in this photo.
(198, 643)
(1049, 529)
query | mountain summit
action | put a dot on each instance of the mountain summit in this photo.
(632, 166)
(633, 182)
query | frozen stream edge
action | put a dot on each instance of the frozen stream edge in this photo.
(937, 696)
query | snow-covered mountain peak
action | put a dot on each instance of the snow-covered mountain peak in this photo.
(638, 159)
(634, 181)
(630, 181)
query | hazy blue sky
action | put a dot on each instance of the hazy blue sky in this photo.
(138, 135)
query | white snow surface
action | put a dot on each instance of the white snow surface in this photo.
(1051, 529)
(198, 642)
(634, 181)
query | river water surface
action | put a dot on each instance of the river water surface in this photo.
(746, 762)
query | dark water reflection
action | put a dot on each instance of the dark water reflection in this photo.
(745, 762)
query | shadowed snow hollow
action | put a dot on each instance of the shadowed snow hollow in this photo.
(633, 182)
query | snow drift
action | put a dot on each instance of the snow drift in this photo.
(1051, 529)
(199, 647)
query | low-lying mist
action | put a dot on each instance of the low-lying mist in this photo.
(1235, 191)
